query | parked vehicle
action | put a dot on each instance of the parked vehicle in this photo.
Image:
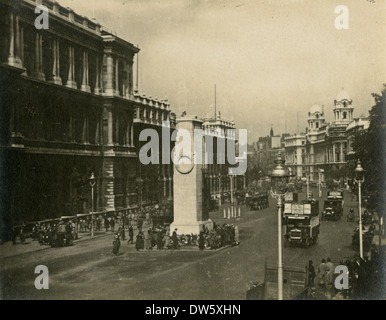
(257, 202)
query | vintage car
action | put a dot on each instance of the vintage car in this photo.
(332, 210)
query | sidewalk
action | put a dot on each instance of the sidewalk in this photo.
(8, 249)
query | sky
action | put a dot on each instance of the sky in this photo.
(269, 60)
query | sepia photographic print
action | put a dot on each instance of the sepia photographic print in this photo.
(192, 150)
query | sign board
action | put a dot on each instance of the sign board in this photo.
(297, 208)
(335, 194)
(287, 207)
(307, 208)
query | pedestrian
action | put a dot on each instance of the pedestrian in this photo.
(175, 240)
(107, 224)
(98, 223)
(159, 240)
(139, 242)
(237, 235)
(22, 234)
(140, 223)
(116, 244)
(329, 272)
(112, 224)
(311, 273)
(322, 274)
(131, 234)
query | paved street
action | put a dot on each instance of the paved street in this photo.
(88, 271)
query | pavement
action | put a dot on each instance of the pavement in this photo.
(8, 249)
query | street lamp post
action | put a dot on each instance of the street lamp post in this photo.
(320, 171)
(359, 179)
(308, 183)
(231, 181)
(92, 184)
(279, 180)
(219, 189)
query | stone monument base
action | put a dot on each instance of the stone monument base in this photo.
(193, 227)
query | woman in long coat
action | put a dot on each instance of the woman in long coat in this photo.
(139, 242)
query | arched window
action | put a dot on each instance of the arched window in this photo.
(317, 125)
(344, 115)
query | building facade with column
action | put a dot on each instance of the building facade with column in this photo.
(325, 146)
(69, 108)
(295, 150)
(219, 180)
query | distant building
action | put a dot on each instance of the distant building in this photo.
(267, 150)
(295, 151)
(219, 179)
(325, 146)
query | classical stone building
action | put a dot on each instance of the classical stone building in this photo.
(295, 150)
(323, 150)
(219, 180)
(69, 108)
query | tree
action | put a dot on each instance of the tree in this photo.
(369, 147)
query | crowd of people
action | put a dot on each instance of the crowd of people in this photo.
(365, 278)
(158, 237)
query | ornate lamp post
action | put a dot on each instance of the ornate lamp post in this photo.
(308, 183)
(279, 180)
(320, 171)
(359, 179)
(92, 184)
(231, 185)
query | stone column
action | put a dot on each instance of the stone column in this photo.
(85, 83)
(85, 133)
(14, 42)
(71, 133)
(333, 153)
(109, 89)
(341, 152)
(117, 93)
(97, 76)
(132, 134)
(55, 62)
(124, 85)
(38, 61)
(71, 68)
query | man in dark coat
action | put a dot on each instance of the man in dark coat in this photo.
(112, 223)
(131, 234)
(107, 224)
(116, 244)
(140, 241)
(175, 239)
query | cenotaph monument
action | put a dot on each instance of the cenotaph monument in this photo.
(189, 215)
